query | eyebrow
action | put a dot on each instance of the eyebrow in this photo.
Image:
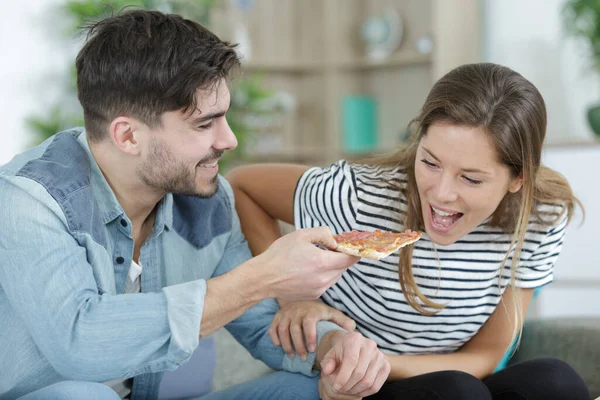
(203, 118)
(471, 170)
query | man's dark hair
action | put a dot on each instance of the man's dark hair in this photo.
(144, 63)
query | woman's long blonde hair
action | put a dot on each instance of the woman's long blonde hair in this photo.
(512, 111)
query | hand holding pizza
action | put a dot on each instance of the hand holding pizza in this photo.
(294, 268)
(353, 366)
(298, 320)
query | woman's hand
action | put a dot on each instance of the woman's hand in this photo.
(297, 320)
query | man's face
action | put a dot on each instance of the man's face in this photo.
(182, 155)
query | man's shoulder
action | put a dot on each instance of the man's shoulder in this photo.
(59, 164)
(199, 220)
(56, 174)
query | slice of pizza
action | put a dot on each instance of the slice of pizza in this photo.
(374, 245)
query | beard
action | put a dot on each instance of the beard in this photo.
(164, 173)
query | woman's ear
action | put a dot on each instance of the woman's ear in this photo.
(516, 184)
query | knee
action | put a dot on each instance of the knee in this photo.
(558, 380)
(289, 386)
(461, 385)
(69, 390)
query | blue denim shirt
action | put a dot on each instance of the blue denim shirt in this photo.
(65, 251)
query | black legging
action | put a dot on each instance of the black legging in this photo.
(541, 379)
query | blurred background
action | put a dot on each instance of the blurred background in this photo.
(329, 79)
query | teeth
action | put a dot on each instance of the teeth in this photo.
(442, 213)
(208, 165)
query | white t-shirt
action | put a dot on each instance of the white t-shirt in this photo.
(348, 196)
(132, 285)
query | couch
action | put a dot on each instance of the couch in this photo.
(574, 340)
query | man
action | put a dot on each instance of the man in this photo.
(120, 245)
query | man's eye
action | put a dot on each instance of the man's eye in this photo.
(206, 126)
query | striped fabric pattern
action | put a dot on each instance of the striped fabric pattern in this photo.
(464, 276)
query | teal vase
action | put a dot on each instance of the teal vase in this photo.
(593, 115)
(359, 124)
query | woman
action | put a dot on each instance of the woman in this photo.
(493, 218)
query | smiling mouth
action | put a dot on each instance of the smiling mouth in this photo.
(209, 165)
(443, 221)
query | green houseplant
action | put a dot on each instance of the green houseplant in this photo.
(248, 92)
(582, 19)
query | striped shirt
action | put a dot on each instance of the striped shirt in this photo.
(464, 276)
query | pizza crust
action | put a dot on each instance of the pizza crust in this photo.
(373, 254)
(366, 253)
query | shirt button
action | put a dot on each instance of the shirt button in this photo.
(120, 260)
(123, 223)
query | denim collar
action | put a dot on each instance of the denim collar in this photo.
(110, 207)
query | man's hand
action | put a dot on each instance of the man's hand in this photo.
(327, 392)
(293, 268)
(353, 365)
(297, 320)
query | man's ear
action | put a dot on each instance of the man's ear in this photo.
(516, 184)
(124, 132)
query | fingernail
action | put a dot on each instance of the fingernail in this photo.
(290, 355)
(303, 357)
(311, 348)
(337, 386)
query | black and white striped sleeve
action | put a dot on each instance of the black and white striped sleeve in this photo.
(538, 269)
(326, 197)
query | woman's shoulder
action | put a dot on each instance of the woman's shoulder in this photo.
(359, 175)
(548, 218)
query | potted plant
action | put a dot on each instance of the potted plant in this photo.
(248, 92)
(582, 19)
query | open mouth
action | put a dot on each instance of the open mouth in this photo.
(442, 220)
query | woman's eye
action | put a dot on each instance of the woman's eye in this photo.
(428, 163)
(472, 181)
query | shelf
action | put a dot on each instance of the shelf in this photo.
(402, 59)
(282, 67)
(309, 155)
(405, 58)
(570, 143)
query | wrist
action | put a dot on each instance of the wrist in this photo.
(327, 342)
(252, 282)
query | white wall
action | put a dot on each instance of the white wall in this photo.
(576, 290)
(528, 37)
(34, 63)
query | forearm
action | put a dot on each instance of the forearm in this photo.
(230, 295)
(478, 364)
(259, 227)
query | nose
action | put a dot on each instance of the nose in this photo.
(225, 138)
(446, 190)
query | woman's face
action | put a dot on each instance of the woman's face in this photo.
(460, 180)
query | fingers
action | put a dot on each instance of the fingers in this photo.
(366, 382)
(333, 260)
(298, 337)
(363, 364)
(342, 320)
(283, 331)
(309, 325)
(380, 378)
(273, 330)
(328, 364)
(349, 355)
(321, 235)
